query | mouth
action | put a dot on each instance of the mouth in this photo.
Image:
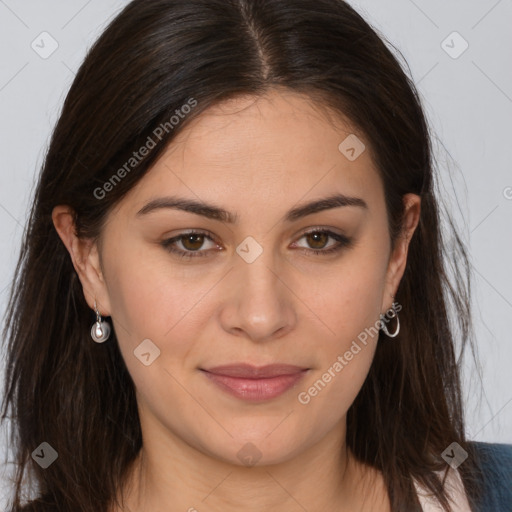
(255, 384)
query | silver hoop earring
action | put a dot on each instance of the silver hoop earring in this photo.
(100, 331)
(391, 313)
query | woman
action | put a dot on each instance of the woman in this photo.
(231, 293)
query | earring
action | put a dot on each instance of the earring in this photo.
(100, 331)
(391, 313)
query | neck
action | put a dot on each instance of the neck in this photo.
(169, 474)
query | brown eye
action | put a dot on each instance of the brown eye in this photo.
(192, 242)
(317, 240)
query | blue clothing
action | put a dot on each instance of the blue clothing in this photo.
(496, 464)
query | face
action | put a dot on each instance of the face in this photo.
(261, 288)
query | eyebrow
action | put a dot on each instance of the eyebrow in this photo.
(214, 212)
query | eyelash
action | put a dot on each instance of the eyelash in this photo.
(343, 242)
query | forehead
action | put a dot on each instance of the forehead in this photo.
(280, 122)
(279, 147)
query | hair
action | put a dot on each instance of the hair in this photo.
(154, 58)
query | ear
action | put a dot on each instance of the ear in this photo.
(398, 258)
(85, 257)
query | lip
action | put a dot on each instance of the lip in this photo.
(253, 383)
(249, 371)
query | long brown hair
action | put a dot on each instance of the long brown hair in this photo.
(155, 56)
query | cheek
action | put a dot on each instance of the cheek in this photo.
(329, 393)
(350, 305)
(344, 363)
(349, 299)
(152, 298)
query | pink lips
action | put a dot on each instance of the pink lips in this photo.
(255, 383)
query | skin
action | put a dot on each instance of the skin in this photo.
(257, 157)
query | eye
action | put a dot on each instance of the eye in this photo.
(193, 241)
(319, 237)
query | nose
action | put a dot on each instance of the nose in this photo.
(258, 303)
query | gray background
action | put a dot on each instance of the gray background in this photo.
(468, 101)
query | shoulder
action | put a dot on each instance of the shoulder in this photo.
(493, 451)
(454, 489)
(495, 459)
(495, 463)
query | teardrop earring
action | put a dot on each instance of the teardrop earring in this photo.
(100, 331)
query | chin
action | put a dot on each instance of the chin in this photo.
(256, 450)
